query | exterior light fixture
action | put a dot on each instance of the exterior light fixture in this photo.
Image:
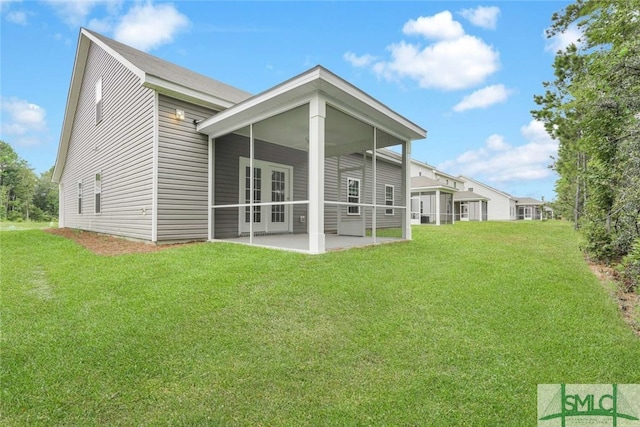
(179, 114)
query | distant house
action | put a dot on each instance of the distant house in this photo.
(529, 209)
(432, 194)
(153, 151)
(470, 206)
(500, 206)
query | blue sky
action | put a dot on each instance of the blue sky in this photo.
(465, 71)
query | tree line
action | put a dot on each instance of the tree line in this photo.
(593, 109)
(24, 195)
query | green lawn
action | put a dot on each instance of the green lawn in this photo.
(456, 327)
(25, 225)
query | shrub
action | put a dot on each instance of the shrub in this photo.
(630, 268)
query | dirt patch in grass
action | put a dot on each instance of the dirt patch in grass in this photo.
(628, 302)
(103, 244)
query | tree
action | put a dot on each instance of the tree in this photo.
(17, 184)
(45, 197)
(593, 109)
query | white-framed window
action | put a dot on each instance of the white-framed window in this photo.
(470, 189)
(79, 197)
(388, 198)
(353, 195)
(99, 100)
(455, 184)
(97, 191)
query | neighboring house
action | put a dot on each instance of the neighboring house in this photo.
(470, 206)
(432, 194)
(500, 205)
(152, 151)
(431, 201)
(529, 209)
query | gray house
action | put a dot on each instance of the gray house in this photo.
(152, 151)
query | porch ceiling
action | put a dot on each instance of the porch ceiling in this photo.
(281, 115)
(343, 133)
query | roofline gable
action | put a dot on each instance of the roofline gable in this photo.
(466, 178)
(315, 79)
(85, 38)
(77, 74)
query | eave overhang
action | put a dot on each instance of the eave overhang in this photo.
(297, 91)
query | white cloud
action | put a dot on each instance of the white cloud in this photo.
(499, 162)
(448, 64)
(496, 142)
(455, 60)
(21, 119)
(482, 16)
(483, 98)
(149, 26)
(562, 40)
(359, 61)
(440, 26)
(75, 13)
(17, 17)
(101, 25)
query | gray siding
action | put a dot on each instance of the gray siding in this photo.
(121, 146)
(183, 153)
(228, 150)
(387, 174)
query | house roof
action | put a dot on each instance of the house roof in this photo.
(528, 201)
(468, 196)
(293, 95)
(423, 182)
(153, 72)
(475, 181)
(436, 170)
(166, 75)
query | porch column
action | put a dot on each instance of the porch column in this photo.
(437, 207)
(480, 203)
(317, 116)
(211, 213)
(406, 186)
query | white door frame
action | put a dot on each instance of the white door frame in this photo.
(265, 225)
(466, 217)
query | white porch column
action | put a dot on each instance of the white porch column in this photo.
(317, 116)
(211, 215)
(481, 210)
(406, 186)
(437, 207)
(374, 173)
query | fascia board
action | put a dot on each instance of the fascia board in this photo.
(254, 101)
(135, 70)
(162, 85)
(361, 96)
(79, 65)
(317, 79)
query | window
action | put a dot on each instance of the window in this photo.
(353, 195)
(257, 194)
(97, 189)
(470, 189)
(79, 197)
(388, 199)
(99, 100)
(455, 184)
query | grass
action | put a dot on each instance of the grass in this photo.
(456, 327)
(25, 225)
